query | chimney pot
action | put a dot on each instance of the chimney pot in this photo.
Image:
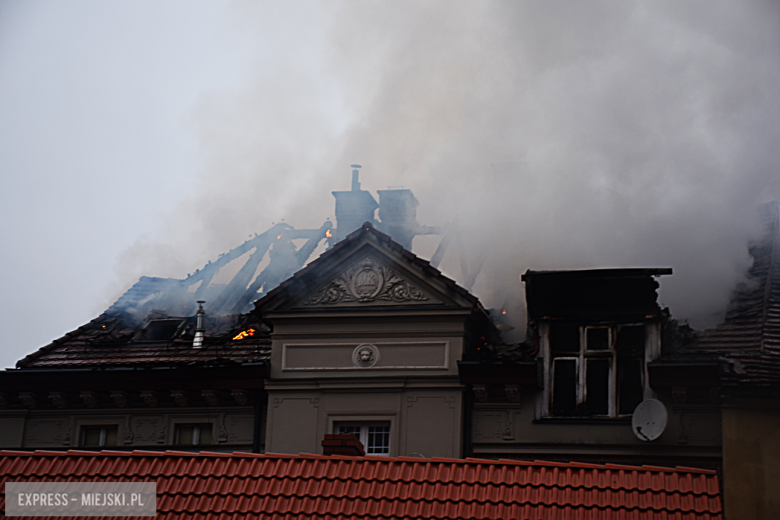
(198, 341)
(348, 445)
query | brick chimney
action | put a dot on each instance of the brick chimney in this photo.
(342, 445)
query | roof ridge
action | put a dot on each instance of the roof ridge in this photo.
(540, 500)
(358, 459)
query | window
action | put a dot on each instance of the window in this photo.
(193, 434)
(595, 371)
(98, 436)
(375, 437)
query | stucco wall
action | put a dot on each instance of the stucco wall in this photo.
(233, 428)
(425, 421)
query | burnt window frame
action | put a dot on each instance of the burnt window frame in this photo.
(581, 357)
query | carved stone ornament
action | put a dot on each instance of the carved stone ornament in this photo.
(481, 393)
(149, 397)
(366, 281)
(89, 399)
(27, 399)
(210, 396)
(120, 398)
(365, 356)
(240, 397)
(58, 399)
(180, 397)
(512, 393)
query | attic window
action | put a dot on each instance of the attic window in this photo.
(160, 330)
(595, 371)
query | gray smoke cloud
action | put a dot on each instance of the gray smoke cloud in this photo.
(550, 135)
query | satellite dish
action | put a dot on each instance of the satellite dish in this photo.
(649, 420)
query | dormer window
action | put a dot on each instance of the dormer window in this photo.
(594, 370)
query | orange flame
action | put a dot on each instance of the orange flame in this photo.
(244, 334)
(328, 233)
(280, 236)
(503, 312)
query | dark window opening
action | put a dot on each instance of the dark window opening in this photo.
(98, 436)
(193, 434)
(160, 330)
(630, 388)
(564, 387)
(597, 387)
(631, 341)
(598, 338)
(564, 338)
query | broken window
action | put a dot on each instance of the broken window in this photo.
(595, 370)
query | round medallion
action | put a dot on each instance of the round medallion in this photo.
(365, 356)
(367, 281)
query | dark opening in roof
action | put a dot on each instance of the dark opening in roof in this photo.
(160, 330)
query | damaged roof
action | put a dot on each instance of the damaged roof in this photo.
(749, 337)
(117, 338)
(602, 294)
(275, 486)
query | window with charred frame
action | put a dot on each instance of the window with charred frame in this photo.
(595, 370)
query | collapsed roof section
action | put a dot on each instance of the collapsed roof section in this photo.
(261, 263)
(749, 337)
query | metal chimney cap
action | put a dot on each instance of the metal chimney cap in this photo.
(356, 166)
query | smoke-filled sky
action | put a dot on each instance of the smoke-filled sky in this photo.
(145, 138)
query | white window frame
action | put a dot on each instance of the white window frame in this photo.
(651, 350)
(363, 434)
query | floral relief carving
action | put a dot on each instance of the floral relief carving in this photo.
(366, 281)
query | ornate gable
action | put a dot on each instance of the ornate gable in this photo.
(368, 281)
(366, 269)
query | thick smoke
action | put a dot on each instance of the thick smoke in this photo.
(551, 136)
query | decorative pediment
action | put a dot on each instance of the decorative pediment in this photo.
(368, 281)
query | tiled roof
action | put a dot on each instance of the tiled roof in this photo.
(750, 334)
(273, 486)
(367, 227)
(110, 340)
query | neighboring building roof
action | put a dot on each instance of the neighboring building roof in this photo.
(208, 485)
(750, 335)
(116, 339)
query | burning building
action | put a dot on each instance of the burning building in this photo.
(372, 341)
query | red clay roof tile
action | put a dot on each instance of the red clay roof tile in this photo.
(271, 486)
